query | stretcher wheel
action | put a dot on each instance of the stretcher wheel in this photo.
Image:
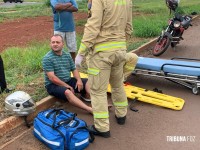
(195, 90)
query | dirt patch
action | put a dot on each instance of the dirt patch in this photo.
(22, 31)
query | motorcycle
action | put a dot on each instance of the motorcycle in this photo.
(172, 34)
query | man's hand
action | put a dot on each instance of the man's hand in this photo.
(79, 85)
(68, 5)
(71, 89)
(78, 60)
(89, 4)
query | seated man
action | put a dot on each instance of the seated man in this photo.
(58, 65)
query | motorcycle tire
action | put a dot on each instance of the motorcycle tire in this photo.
(161, 46)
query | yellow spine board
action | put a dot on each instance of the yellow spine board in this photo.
(151, 97)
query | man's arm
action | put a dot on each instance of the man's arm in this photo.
(76, 74)
(129, 27)
(92, 27)
(65, 7)
(54, 79)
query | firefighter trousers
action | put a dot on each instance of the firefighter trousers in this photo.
(104, 68)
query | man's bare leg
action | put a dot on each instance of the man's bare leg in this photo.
(76, 101)
(87, 89)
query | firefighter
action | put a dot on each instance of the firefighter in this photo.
(104, 41)
(131, 61)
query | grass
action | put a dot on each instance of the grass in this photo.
(80, 22)
(23, 65)
(23, 68)
(24, 12)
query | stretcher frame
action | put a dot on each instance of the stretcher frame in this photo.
(189, 81)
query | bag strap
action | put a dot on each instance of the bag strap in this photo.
(56, 112)
(28, 124)
(91, 138)
(65, 121)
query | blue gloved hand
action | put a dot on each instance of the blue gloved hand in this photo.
(89, 5)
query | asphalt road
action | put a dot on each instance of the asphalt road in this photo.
(152, 127)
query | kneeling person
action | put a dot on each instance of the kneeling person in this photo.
(58, 65)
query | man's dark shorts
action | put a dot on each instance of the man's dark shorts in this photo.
(59, 91)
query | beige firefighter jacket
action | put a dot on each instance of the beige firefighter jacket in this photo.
(109, 26)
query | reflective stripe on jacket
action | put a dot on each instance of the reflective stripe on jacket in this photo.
(104, 26)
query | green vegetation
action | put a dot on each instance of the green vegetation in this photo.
(24, 12)
(24, 69)
(151, 16)
(136, 44)
(27, 60)
(23, 65)
(81, 22)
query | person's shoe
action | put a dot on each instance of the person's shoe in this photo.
(86, 99)
(92, 129)
(121, 120)
(8, 90)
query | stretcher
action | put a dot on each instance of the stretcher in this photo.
(182, 71)
(147, 96)
(140, 94)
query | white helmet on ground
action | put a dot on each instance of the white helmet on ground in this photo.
(19, 103)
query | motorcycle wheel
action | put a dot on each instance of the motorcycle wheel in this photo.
(161, 46)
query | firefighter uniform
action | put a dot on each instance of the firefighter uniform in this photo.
(104, 41)
(131, 61)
